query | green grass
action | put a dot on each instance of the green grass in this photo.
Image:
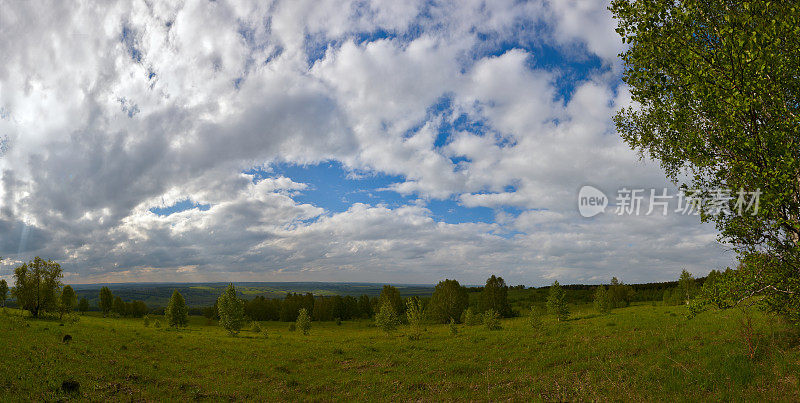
(638, 353)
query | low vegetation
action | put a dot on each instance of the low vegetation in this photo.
(641, 352)
(554, 343)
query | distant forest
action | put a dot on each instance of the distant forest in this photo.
(328, 301)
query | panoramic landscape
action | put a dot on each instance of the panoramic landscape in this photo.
(400, 201)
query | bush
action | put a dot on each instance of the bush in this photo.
(535, 318)
(147, 321)
(304, 321)
(602, 299)
(453, 327)
(414, 314)
(292, 327)
(71, 318)
(470, 318)
(491, 319)
(157, 324)
(386, 318)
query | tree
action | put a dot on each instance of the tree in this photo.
(176, 314)
(414, 314)
(67, 301)
(449, 300)
(303, 321)
(386, 318)
(602, 300)
(619, 294)
(495, 296)
(106, 300)
(672, 296)
(36, 285)
(212, 312)
(3, 291)
(365, 306)
(391, 295)
(118, 307)
(557, 303)
(231, 311)
(137, 309)
(716, 92)
(83, 305)
(687, 286)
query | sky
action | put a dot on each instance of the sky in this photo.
(360, 141)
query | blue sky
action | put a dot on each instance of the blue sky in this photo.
(346, 141)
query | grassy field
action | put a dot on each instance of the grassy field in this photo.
(638, 353)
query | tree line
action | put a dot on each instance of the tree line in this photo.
(448, 302)
(115, 306)
(38, 289)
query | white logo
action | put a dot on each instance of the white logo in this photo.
(591, 201)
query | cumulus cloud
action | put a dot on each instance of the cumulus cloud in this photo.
(107, 112)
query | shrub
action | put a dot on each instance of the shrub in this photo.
(535, 318)
(386, 318)
(491, 319)
(71, 318)
(304, 321)
(414, 314)
(157, 324)
(391, 295)
(147, 321)
(602, 299)
(470, 318)
(453, 327)
(292, 327)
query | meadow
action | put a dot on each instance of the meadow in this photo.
(643, 352)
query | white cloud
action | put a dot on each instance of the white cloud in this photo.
(112, 110)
